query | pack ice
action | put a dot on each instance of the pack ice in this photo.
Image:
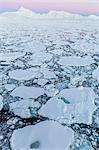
(49, 67)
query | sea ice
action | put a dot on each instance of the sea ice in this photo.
(27, 74)
(1, 102)
(48, 74)
(9, 57)
(42, 82)
(75, 105)
(50, 90)
(47, 135)
(21, 108)
(10, 87)
(27, 92)
(38, 59)
(95, 74)
(75, 61)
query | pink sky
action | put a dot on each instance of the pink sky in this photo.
(76, 6)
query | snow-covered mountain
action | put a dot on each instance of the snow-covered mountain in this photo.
(50, 15)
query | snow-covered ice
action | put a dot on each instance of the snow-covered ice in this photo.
(9, 57)
(74, 105)
(27, 92)
(75, 61)
(1, 102)
(10, 87)
(22, 107)
(48, 135)
(26, 74)
(95, 74)
(39, 57)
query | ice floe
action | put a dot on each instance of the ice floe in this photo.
(26, 74)
(74, 105)
(27, 92)
(9, 57)
(95, 74)
(1, 102)
(9, 87)
(75, 61)
(22, 107)
(42, 82)
(47, 135)
(38, 59)
(50, 90)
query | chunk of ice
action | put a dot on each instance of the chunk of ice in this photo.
(49, 134)
(1, 102)
(75, 61)
(27, 92)
(73, 105)
(21, 108)
(20, 74)
(95, 74)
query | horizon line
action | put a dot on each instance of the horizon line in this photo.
(47, 11)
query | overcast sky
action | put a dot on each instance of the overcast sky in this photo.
(75, 6)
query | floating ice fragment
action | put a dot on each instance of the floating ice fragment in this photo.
(27, 92)
(1, 102)
(47, 135)
(9, 87)
(27, 74)
(22, 107)
(9, 57)
(74, 105)
(75, 61)
(95, 74)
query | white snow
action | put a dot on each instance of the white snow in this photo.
(1, 102)
(95, 73)
(49, 134)
(75, 61)
(26, 74)
(27, 92)
(75, 105)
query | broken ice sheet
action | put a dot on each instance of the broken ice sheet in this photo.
(50, 90)
(10, 87)
(48, 74)
(9, 57)
(21, 74)
(75, 61)
(22, 107)
(1, 102)
(42, 82)
(38, 59)
(75, 105)
(47, 135)
(95, 73)
(27, 92)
